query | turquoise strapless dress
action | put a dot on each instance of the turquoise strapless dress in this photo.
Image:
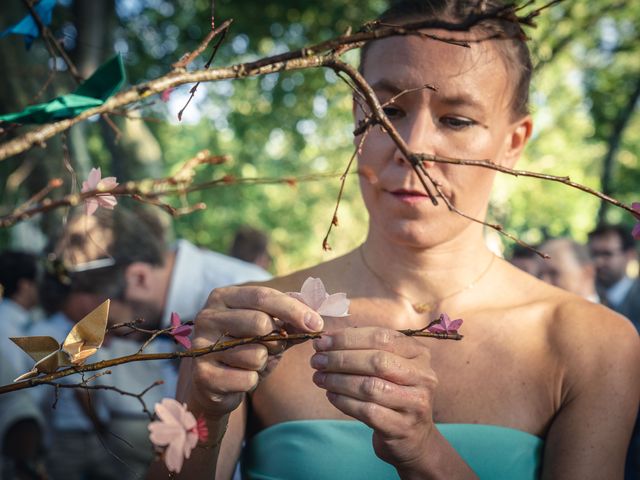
(342, 449)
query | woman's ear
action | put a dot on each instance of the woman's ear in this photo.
(519, 134)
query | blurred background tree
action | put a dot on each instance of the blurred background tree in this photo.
(584, 102)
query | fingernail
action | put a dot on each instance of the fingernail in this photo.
(313, 321)
(319, 360)
(319, 378)
(323, 343)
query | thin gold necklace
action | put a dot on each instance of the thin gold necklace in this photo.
(422, 307)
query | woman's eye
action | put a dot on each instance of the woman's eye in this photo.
(457, 123)
(392, 112)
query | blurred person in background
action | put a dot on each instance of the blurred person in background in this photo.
(21, 430)
(251, 245)
(123, 256)
(21, 422)
(569, 267)
(18, 297)
(612, 249)
(526, 260)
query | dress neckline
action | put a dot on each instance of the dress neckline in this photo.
(309, 422)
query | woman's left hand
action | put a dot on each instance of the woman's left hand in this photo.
(384, 379)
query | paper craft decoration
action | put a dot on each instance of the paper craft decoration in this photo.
(445, 325)
(28, 26)
(84, 339)
(93, 92)
(177, 431)
(314, 294)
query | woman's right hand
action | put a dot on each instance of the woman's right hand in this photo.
(214, 384)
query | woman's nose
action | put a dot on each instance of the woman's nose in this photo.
(418, 134)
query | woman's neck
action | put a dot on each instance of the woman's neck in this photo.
(427, 275)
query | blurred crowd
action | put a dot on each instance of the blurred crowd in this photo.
(605, 270)
(128, 257)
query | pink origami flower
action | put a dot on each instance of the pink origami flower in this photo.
(166, 94)
(315, 296)
(446, 325)
(96, 182)
(180, 332)
(636, 230)
(177, 430)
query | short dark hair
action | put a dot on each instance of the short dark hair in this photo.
(248, 244)
(520, 251)
(16, 265)
(623, 233)
(511, 43)
(120, 236)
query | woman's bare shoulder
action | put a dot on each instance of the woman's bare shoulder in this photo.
(592, 341)
(572, 325)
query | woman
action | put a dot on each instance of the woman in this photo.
(542, 383)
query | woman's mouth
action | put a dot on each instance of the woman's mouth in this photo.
(409, 196)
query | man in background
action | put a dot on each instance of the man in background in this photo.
(569, 267)
(527, 260)
(123, 256)
(19, 288)
(21, 422)
(612, 248)
(251, 245)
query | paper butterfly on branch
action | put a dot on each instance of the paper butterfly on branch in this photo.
(84, 339)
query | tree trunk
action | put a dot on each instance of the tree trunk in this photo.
(619, 126)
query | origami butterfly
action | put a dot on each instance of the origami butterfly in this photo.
(84, 339)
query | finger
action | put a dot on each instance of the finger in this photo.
(214, 379)
(375, 363)
(370, 338)
(277, 304)
(237, 323)
(248, 357)
(376, 390)
(378, 417)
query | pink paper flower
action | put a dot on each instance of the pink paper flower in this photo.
(315, 296)
(96, 182)
(177, 430)
(166, 94)
(446, 325)
(636, 230)
(180, 332)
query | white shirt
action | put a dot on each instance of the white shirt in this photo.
(15, 322)
(134, 377)
(197, 272)
(618, 292)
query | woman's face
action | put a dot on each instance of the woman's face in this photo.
(468, 117)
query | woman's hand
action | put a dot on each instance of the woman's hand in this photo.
(384, 379)
(215, 384)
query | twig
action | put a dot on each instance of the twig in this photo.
(343, 179)
(218, 346)
(299, 59)
(46, 34)
(148, 192)
(213, 33)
